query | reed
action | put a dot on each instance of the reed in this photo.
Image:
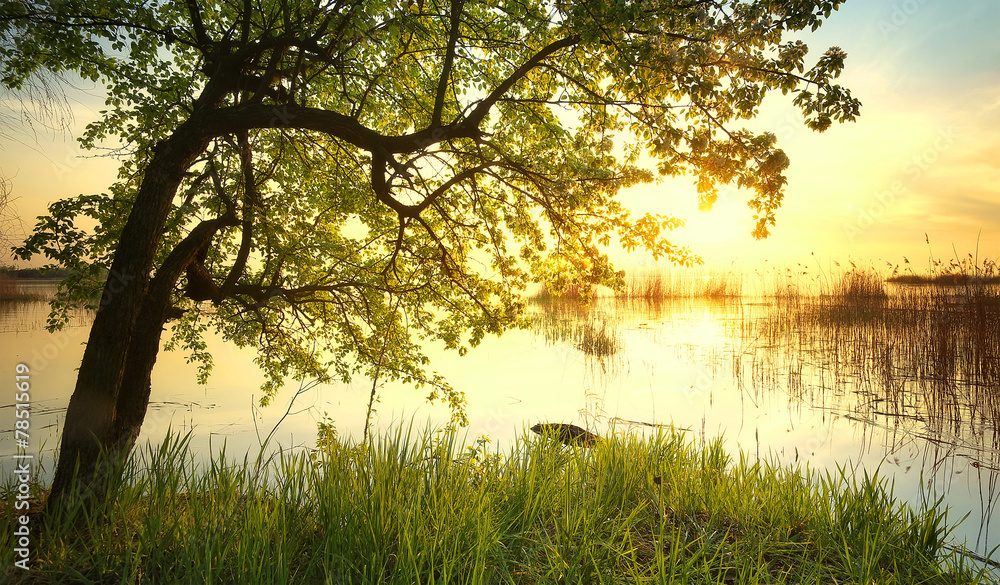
(958, 272)
(571, 292)
(657, 286)
(12, 291)
(858, 285)
(598, 338)
(918, 353)
(421, 508)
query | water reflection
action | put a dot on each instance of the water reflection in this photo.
(893, 385)
(783, 378)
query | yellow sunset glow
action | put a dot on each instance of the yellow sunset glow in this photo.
(922, 158)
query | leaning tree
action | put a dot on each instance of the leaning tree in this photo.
(335, 182)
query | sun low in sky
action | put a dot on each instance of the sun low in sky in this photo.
(922, 164)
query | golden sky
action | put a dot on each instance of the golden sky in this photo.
(924, 158)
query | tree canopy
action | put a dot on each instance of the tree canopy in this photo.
(345, 179)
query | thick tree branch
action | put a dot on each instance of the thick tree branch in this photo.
(199, 28)
(483, 108)
(413, 210)
(133, 398)
(249, 116)
(245, 25)
(261, 294)
(250, 202)
(449, 59)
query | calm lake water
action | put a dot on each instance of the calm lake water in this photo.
(736, 369)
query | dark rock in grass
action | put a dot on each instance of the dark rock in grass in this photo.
(567, 434)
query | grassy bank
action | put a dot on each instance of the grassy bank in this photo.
(636, 511)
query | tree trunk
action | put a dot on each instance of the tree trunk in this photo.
(133, 398)
(112, 389)
(118, 335)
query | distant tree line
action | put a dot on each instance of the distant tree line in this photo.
(948, 279)
(35, 273)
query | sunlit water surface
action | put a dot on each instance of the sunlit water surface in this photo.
(695, 365)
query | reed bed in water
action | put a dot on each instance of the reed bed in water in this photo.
(926, 354)
(662, 286)
(958, 272)
(658, 285)
(923, 353)
(12, 291)
(412, 509)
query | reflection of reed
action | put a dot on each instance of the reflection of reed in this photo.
(23, 304)
(12, 316)
(594, 334)
(24, 316)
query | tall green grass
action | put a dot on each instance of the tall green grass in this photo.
(421, 508)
